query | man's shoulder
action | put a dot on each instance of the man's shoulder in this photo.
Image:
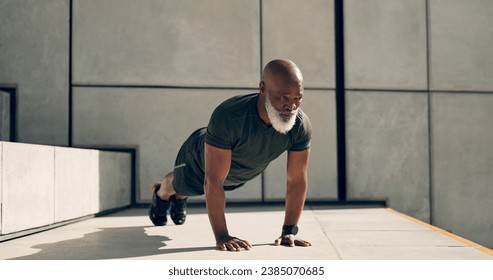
(239, 104)
(238, 101)
(303, 119)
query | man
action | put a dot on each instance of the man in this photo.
(245, 133)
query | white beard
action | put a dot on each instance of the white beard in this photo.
(278, 123)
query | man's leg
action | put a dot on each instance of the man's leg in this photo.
(164, 197)
(178, 202)
(167, 190)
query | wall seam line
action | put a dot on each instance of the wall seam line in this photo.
(429, 100)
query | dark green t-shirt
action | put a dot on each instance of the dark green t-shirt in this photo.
(236, 125)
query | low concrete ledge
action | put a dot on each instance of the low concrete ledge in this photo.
(42, 186)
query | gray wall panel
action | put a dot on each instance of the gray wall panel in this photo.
(178, 43)
(34, 54)
(304, 32)
(385, 44)
(387, 144)
(461, 37)
(322, 170)
(463, 165)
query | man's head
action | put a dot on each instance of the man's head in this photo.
(281, 90)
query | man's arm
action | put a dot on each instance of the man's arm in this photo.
(296, 188)
(217, 164)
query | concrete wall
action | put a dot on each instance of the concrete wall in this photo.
(460, 45)
(45, 185)
(303, 32)
(419, 80)
(461, 84)
(385, 44)
(463, 164)
(387, 115)
(34, 55)
(387, 142)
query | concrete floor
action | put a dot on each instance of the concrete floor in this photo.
(336, 234)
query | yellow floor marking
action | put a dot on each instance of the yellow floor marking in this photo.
(444, 232)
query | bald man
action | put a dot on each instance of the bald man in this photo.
(245, 133)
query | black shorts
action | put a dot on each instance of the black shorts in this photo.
(188, 175)
(188, 172)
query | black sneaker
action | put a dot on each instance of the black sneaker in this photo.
(158, 208)
(178, 210)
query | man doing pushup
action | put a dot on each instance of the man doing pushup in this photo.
(245, 133)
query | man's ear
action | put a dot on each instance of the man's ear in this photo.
(262, 87)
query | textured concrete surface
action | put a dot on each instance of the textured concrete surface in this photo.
(387, 149)
(463, 164)
(34, 55)
(28, 186)
(460, 45)
(114, 180)
(385, 44)
(74, 177)
(304, 32)
(177, 43)
(347, 234)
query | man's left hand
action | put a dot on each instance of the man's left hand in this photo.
(290, 240)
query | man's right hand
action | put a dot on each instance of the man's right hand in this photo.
(231, 243)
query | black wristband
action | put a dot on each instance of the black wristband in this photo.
(293, 229)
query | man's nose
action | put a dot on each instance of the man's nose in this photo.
(291, 105)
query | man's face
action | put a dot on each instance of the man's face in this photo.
(282, 103)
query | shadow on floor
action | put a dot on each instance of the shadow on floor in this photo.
(109, 243)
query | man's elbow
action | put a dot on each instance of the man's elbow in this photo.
(300, 184)
(213, 184)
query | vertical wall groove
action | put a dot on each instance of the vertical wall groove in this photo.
(70, 99)
(340, 99)
(430, 138)
(260, 2)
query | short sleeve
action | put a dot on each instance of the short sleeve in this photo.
(218, 130)
(303, 134)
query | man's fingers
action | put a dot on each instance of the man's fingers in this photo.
(289, 240)
(233, 247)
(277, 242)
(302, 243)
(245, 244)
(234, 244)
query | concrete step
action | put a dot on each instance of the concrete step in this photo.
(45, 186)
